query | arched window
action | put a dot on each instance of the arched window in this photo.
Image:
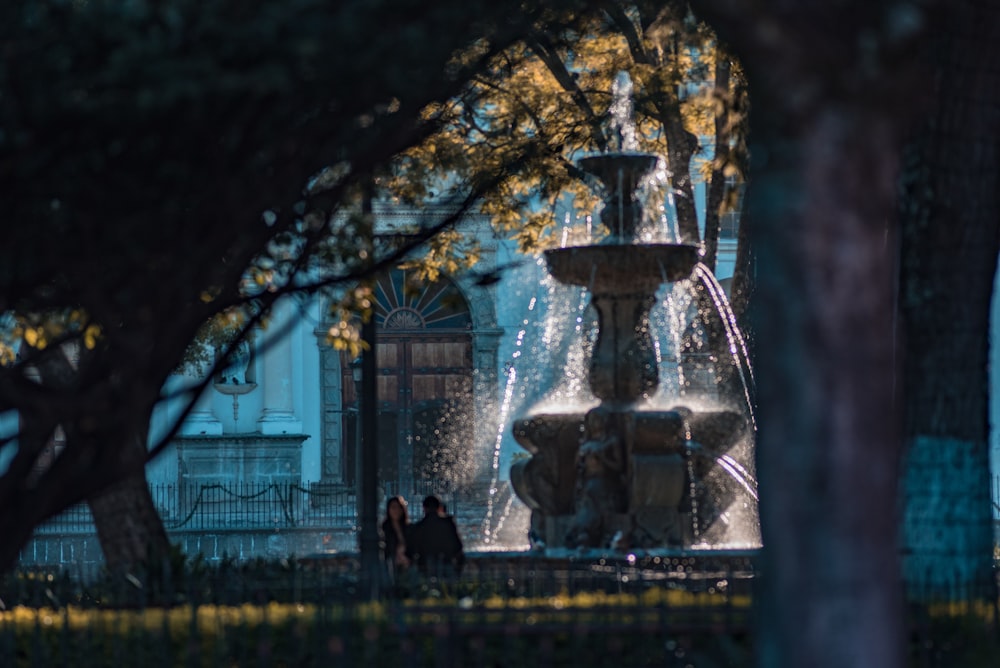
(403, 303)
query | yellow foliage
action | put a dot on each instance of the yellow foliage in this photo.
(90, 336)
(35, 337)
(354, 308)
(523, 120)
(7, 354)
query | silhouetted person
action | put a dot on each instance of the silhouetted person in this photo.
(434, 542)
(395, 529)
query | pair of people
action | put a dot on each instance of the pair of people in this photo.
(432, 544)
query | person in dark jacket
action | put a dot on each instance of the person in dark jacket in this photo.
(434, 542)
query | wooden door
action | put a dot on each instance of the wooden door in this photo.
(424, 377)
(425, 393)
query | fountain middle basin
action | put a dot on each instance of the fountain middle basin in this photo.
(622, 267)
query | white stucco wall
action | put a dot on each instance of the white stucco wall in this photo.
(308, 406)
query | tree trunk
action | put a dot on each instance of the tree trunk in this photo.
(717, 179)
(950, 241)
(828, 113)
(681, 145)
(828, 442)
(129, 526)
(823, 173)
(18, 523)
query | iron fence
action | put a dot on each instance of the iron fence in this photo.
(522, 612)
(498, 612)
(262, 505)
(255, 505)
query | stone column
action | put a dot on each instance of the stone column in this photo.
(278, 415)
(332, 410)
(201, 420)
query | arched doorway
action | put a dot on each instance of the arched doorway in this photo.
(425, 373)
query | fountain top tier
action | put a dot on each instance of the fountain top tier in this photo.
(621, 171)
(621, 174)
(607, 267)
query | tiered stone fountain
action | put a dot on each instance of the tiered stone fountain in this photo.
(625, 474)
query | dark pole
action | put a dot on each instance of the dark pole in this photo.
(368, 479)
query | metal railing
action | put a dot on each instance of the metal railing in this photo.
(186, 507)
(505, 612)
(495, 616)
(216, 506)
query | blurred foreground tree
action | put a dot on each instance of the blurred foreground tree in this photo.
(151, 155)
(838, 90)
(950, 214)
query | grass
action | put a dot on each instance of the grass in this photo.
(576, 631)
(298, 617)
(306, 622)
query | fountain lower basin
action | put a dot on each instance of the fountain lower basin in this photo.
(621, 476)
